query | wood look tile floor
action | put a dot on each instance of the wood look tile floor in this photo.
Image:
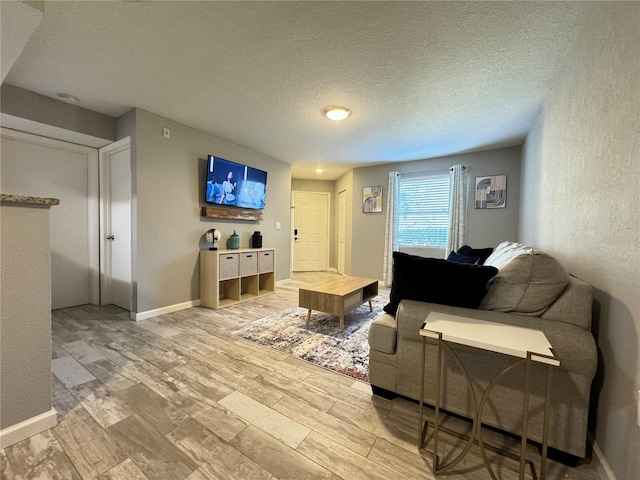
(176, 397)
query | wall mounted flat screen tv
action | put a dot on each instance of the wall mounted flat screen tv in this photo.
(229, 183)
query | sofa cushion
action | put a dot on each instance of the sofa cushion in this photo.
(482, 253)
(438, 281)
(528, 281)
(382, 334)
(456, 257)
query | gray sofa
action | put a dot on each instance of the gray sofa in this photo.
(530, 290)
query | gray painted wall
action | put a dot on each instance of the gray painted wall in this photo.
(581, 203)
(25, 317)
(23, 103)
(486, 228)
(169, 191)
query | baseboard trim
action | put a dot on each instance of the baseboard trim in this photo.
(161, 311)
(603, 469)
(283, 282)
(28, 428)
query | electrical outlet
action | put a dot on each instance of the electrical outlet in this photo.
(166, 133)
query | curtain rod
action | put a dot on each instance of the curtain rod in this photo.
(440, 170)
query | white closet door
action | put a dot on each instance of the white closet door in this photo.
(38, 166)
(116, 246)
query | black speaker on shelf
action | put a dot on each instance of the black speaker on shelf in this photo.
(256, 240)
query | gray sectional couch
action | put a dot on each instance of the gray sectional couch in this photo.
(530, 290)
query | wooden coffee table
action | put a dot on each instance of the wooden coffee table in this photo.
(338, 296)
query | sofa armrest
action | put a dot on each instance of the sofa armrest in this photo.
(383, 334)
(574, 306)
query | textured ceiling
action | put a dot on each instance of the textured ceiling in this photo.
(422, 79)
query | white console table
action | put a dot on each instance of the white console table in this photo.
(526, 345)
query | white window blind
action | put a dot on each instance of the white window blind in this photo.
(423, 210)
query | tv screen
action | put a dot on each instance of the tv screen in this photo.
(229, 183)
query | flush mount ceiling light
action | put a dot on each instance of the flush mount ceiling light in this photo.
(319, 170)
(67, 97)
(337, 113)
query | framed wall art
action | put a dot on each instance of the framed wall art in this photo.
(372, 199)
(491, 191)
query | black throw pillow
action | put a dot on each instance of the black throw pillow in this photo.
(456, 257)
(437, 281)
(482, 253)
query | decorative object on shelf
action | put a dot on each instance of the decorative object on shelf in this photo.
(491, 191)
(372, 199)
(234, 241)
(212, 237)
(256, 240)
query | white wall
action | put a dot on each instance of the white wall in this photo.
(581, 203)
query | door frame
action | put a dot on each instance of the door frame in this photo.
(93, 200)
(339, 229)
(105, 220)
(328, 237)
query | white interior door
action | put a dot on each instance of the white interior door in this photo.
(116, 235)
(310, 231)
(42, 167)
(342, 230)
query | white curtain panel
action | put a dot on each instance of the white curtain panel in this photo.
(390, 243)
(457, 237)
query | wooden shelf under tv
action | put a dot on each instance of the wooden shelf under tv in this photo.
(228, 277)
(233, 213)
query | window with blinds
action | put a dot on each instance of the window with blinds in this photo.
(423, 210)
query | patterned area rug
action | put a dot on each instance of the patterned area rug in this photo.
(321, 341)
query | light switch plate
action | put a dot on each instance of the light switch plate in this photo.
(278, 225)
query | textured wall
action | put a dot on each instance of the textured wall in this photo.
(581, 202)
(25, 317)
(18, 21)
